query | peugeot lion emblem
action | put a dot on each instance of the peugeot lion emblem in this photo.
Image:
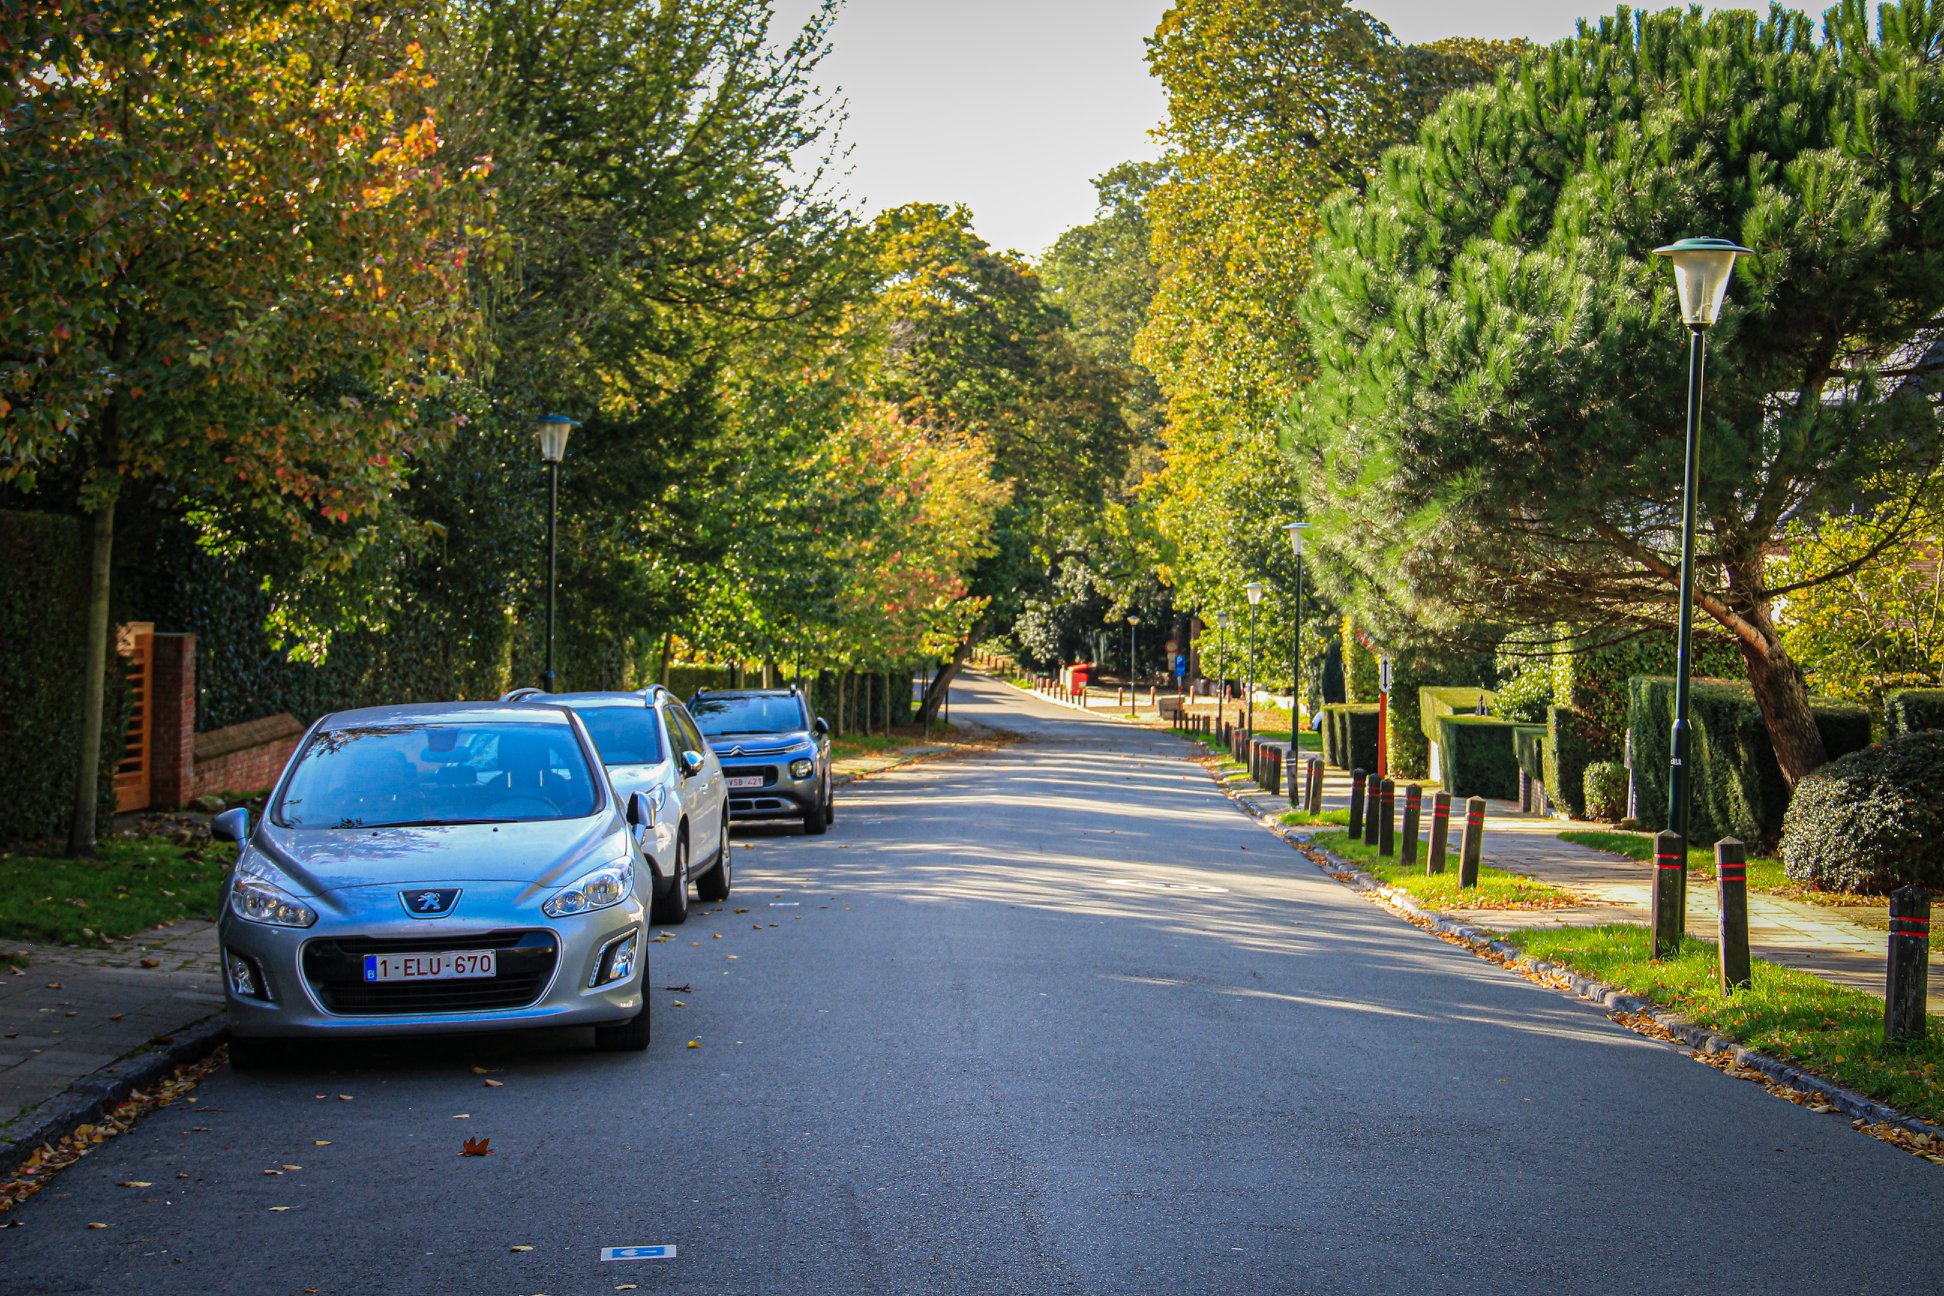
(431, 902)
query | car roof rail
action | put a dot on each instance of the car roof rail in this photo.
(652, 689)
(523, 694)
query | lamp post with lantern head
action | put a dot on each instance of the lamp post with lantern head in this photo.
(551, 431)
(1254, 590)
(1296, 530)
(1702, 269)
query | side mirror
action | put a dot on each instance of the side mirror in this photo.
(821, 727)
(691, 763)
(231, 825)
(641, 811)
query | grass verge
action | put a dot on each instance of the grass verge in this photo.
(136, 883)
(1496, 888)
(1835, 1032)
(1765, 873)
(1304, 819)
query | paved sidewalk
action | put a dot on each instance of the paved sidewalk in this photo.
(1820, 939)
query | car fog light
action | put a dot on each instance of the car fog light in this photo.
(802, 768)
(246, 982)
(617, 961)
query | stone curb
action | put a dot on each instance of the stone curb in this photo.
(1852, 1104)
(100, 1090)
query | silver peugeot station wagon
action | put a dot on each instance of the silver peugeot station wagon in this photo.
(449, 867)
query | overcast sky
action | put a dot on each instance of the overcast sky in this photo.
(1013, 106)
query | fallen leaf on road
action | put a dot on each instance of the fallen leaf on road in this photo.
(480, 1070)
(344, 1097)
(273, 1172)
(479, 1147)
(681, 1003)
(680, 989)
(56, 985)
(626, 1286)
(742, 911)
(292, 1167)
(463, 1116)
(756, 926)
(97, 1226)
(151, 963)
(320, 1142)
(496, 1084)
(716, 936)
(695, 1043)
(519, 1248)
(116, 1016)
(135, 1183)
(275, 1209)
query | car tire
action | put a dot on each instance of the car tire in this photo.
(247, 1054)
(671, 909)
(830, 806)
(817, 822)
(713, 886)
(630, 1036)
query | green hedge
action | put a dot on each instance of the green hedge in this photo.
(1870, 821)
(1913, 709)
(1478, 756)
(1361, 673)
(1736, 786)
(1594, 682)
(1435, 703)
(44, 625)
(1605, 785)
(1573, 742)
(1411, 671)
(1529, 745)
(1350, 735)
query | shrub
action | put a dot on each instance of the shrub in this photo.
(1736, 785)
(1350, 735)
(1434, 704)
(1572, 743)
(1871, 820)
(1910, 710)
(1411, 670)
(1479, 759)
(1605, 786)
(1529, 745)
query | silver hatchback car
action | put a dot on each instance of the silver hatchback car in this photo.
(450, 867)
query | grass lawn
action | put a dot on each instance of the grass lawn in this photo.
(137, 883)
(1303, 818)
(1496, 888)
(1835, 1032)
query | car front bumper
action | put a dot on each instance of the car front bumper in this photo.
(314, 986)
(780, 797)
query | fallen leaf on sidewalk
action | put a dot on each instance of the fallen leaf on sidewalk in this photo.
(478, 1147)
(56, 985)
(151, 963)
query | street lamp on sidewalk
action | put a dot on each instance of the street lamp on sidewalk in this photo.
(1254, 590)
(1702, 269)
(552, 430)
(1296, 530)
(1221, 664)
(1132, 621)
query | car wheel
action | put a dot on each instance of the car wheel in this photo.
(247, 1054)
(713, 886)
(630, 1036)
(671, 910)
(817, 822)
(830, 805)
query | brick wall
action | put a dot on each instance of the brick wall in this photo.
(172, 720)
(247, 757)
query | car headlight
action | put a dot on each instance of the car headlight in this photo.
(802, 768)
(255, 895)
(607, 885)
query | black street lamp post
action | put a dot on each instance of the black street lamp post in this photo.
(1254, 590)
(1702, 269)
(1295, 530)
(552, 430)
(1221, 665)
(1132, 706)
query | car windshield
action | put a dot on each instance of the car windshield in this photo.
(624, 735)
(746, 715)
(380, 776)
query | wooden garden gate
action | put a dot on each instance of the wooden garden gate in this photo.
(135, 643)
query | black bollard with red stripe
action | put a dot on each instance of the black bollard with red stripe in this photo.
(1434, 854)
(1472, 847)
(1373, 804)
(1668, 918)
(1731, 899)
(1407, 846)
(1315, 802)
(1387, 826)
(1357, 777)
(1907, 988)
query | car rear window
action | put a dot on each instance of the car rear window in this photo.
(624, 735)
(745, 715)
(378, 776)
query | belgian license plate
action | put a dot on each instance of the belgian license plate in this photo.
(745, 781)
(444, 965)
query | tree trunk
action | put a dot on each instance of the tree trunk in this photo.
(94, 684)
(1781, 692)
(941, 682)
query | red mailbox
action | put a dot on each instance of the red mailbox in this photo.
(1077, 678)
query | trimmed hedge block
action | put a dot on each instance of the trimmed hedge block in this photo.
(1529, 745)
(1736, 786)
(1479, 759)
(1350, 735)
(1911, 710)
(1574, 741)
(1605, 785)
(1870, 821)
(1434, 704)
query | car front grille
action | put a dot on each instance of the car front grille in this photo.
(732, 750)
(335, 970)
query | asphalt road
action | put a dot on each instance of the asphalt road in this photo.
(1056, 1019)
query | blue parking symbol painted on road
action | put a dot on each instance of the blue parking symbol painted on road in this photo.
(638, 1253)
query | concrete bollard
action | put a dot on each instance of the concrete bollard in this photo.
(1908, 984)
(1407, 847)
(1315, 803)
(1357, 777)
(1731, 899)
(1668, 910)
(1437, 848)
(1387, 825)
(1471, 847)
(1373, 803)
